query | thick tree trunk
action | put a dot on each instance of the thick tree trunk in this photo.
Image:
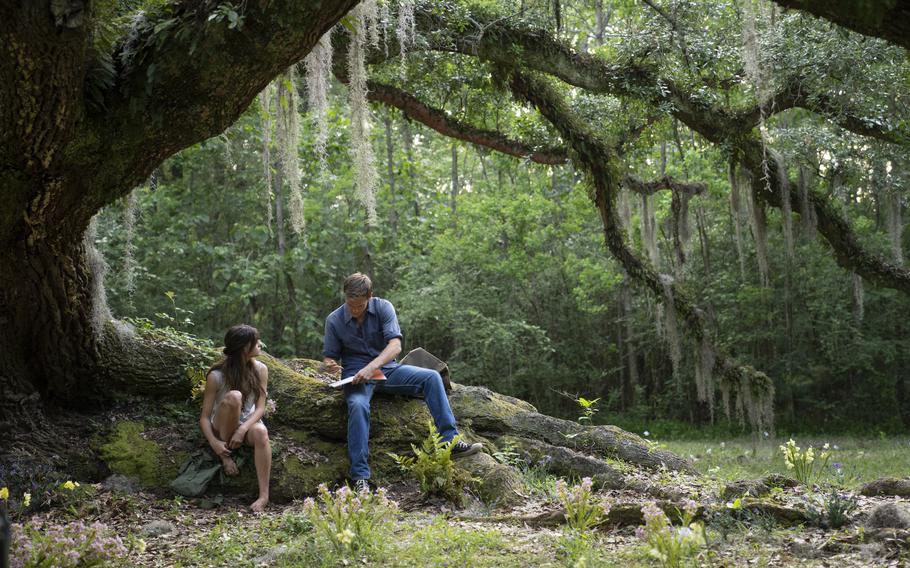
(49, 347)
(62, 158)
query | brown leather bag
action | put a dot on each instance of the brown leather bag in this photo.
(420, 357)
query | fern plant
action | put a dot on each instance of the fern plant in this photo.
(433, 467)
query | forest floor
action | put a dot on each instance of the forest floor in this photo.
(220, 531)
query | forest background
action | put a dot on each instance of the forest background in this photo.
(497, 264)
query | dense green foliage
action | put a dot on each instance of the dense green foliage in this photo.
(506, 275)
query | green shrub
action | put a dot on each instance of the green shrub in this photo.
(433, 467)
(349, 520)
(672, 547)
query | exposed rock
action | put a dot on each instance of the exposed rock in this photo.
(757, 487)
(889, 516)
(270, 556)
(495, 483)
(119, 484)
(887, 486)
(158, 528)
(566, 462)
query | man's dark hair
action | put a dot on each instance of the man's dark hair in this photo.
(357, 285)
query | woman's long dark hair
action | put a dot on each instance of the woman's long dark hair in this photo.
(237, 375)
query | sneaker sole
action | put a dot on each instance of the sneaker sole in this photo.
(469, 452)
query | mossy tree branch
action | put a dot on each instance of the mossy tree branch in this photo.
(885, 19)
(754, 389)
(508, 45)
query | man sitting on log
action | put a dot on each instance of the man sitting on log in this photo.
(364, 334)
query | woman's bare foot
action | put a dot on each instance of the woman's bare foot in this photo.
(260, 504)
(230, 468)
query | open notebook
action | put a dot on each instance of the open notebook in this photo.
(377, 376)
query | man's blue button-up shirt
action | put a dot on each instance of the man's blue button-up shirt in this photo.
(358, 344)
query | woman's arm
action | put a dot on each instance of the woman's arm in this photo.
(205, 419)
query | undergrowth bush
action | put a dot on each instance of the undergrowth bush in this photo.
(433, 467)
(583, 509)
(351, 521)
(671, 546)
(38, 544)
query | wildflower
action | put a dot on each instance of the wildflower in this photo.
(835, 447)
(346, 536)
(640, 533)
(646, 433)
(270, 406)
(690, 506)
(708, 451)
(766, 433)
(26, 499)
(652, 513)
(68, 485)
(4, 493)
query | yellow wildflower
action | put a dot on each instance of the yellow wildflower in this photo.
(4, 493)
(26, 499)
(69, 486)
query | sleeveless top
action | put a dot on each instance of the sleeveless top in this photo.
(246, 409)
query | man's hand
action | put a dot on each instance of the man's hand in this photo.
(364, 375)
(237, 439)
(221, 450)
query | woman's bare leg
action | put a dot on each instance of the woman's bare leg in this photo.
(227, 419)
(258, 437)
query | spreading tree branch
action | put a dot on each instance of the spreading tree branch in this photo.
(536, 49)
(885, 19)
(754, 389)
(439, 121)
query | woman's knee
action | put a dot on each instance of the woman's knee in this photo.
(259, 435)
(232, 399)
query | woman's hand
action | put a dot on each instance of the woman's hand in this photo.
(221, 450)
(237, 439)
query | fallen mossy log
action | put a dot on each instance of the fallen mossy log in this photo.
(309, 429)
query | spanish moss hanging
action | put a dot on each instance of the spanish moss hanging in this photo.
(406, 31)
(265, 104)
(366, 176)
(97, 268)
(289, 130)
(318, 76)
(736, 214)
(129, 245)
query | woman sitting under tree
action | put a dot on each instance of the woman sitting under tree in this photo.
(233, 405)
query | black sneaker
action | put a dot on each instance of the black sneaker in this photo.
(463, 449)
(361, 485)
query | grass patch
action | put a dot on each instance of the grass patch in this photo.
(861, 459)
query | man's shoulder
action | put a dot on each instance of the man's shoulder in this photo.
(336, 313)
(382, 303)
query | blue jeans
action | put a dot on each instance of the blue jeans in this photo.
(405, 380)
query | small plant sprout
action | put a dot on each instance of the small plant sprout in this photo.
(588, 409)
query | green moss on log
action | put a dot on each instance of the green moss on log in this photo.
(126, 452)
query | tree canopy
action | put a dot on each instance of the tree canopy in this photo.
(723, 152)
